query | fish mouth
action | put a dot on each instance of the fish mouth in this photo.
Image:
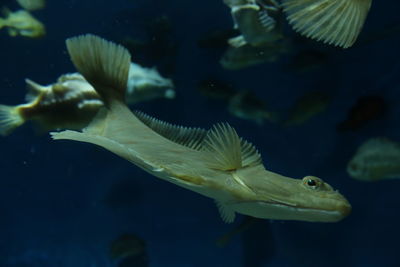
(285, 211)
(317, 214)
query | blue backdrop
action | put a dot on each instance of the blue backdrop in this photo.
(62, 203)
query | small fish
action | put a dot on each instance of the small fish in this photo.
(367, 108)
(257, 21)
(376, 159)
(71, 102)
(147, 83)
(22, 23)
(247, 55)
(308, 60)
(216, 39)
(336, 22)
(307, 106)
(247, 106)
(127, 245)
(32, 5)
(216, 163)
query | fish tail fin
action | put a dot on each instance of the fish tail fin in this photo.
(105, 65)
(10, 119)
(336, 22)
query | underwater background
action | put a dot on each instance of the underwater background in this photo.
(65, 203)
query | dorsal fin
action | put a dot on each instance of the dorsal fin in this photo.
(250, 155)
(223, 143)
(227, 151)
(190, 137)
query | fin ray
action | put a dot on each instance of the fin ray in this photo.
(336, 22)
(105, 65)
(9, 119)
(227, 214)
(190, 137)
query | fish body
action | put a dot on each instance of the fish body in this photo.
(376, 159)
(257, 21)
(366, 109)
(236, 58)
(307, 106)
(71, 102)
(216, 163)
(147, 83)
(22, 23)
(247, 106)
(32, 4)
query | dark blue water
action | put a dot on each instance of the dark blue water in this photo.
(62, 203)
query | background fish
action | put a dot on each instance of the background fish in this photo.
(307, 106)
(147, 83)
(32, 4)
(22, 23)
(376, 159)
(70, 102)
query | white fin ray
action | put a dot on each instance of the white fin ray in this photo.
(189, 137)
(223, 145)
(227, 151)
(227, 214)
(105, 65)
(9, 119)
(336, 22)
(250, 155)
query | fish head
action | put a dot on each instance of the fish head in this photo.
(357, 170)
(284, 198)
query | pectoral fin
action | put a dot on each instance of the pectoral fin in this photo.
(227, 214)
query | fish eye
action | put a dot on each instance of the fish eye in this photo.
(311, 182)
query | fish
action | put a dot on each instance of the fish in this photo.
(236, 58)
(127, 245)
(307, 106)
(308, 60)
(215, 163)
(146, 84)
(22, 23)
(246, 105)
(259, 22)
(367, 108)
(72, 102)
(129, 250)
(334, 22)
(216, 38)
(32, 5)
(376, 159)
